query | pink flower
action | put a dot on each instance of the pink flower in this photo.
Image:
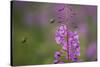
(69, 42)
(61, 32)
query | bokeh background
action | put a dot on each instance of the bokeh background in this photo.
(34, 25)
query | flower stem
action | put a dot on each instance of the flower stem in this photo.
(67, 47)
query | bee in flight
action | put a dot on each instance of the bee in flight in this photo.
(24, 40)
(52, 20)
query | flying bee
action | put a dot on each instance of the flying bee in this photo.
(24, 40)
(52, 20)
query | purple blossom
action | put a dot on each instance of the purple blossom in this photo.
(69, 42)
(61, 32)
(75, 59)
(57, 55)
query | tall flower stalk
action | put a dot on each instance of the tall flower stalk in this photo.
(67, 40)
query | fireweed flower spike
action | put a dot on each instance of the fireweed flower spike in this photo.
(69, 41)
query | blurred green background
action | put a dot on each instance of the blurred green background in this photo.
(33, 36)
